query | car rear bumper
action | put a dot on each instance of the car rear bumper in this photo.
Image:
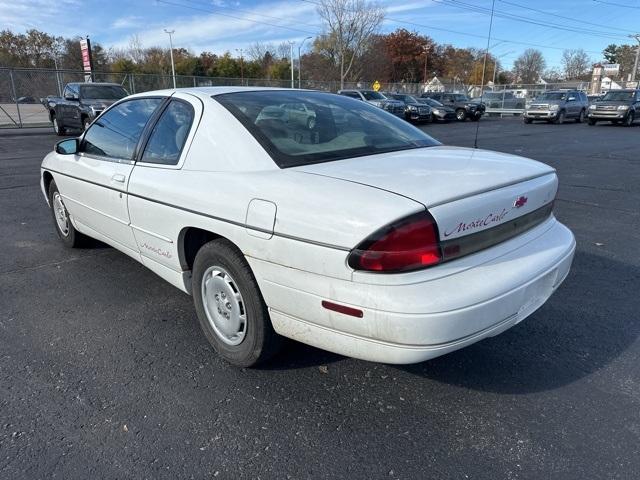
(413, 322)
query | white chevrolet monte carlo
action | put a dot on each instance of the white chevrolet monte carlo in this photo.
(313, 216)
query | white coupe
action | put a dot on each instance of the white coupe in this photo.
(355, 232)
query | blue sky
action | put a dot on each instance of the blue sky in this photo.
(221, 25)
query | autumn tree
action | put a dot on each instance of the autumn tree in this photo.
(529, 66)
(407, 52)
(350, 24)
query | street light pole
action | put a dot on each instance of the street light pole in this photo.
(241, 65)
(300, 61)
(173, 68)
(291, 56)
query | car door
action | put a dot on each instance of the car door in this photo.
(573, 104)
(157, 173)
(94, 181)
(72, 107)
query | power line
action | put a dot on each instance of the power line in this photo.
(237, 17)
(560, 16)
(467, 34)
(519, 18)
(617, 4)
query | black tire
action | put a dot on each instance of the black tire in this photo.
(628, 122)
(71, 238)
(461, 115)
(559, 120)
(527, 120)
(580, 118)
(86, 121)
(59, 129)
(592, 122)
(260, 341)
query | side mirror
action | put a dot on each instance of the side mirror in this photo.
(68, 146)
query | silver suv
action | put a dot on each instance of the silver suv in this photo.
(395, 107)
(558, 105)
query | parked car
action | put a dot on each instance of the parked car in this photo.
(462, 104)
(558, 105)
(439, 112)
(330, 237)
(506, 100)
(414, 109)
(616, 106)
(80, 104)
(27, 100)
(376, 98)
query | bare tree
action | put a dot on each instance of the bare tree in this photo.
(529, 66)
(136, 50)
(258, 50)
(575, 63)
(350, 25)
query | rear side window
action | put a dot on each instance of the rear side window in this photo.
(169, 134)
(117, 132)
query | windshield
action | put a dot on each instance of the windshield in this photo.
(432, 102)
(371, 95)
(461, 98)
(553, 96)
(330, 127)
(618, 96)
(102, 92)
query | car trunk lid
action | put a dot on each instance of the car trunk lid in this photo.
(466, 190)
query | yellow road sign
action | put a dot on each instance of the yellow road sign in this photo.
(376, 85)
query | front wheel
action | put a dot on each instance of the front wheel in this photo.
(560, 118)
(592, 122)
(86, 121)
(629, 120)
(461, 115)
(527, 120)
(59, 129)
(64, 228)
(580, 118)
(230, 307)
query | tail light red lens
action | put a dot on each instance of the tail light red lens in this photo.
(408, 244)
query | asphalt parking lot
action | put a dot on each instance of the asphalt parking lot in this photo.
(104, 372)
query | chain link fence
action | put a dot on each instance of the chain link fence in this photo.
(23, 91)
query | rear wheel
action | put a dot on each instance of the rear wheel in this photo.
(59, 129)
(65, 229)
(230, 307)
(461, 115)
(580, 118)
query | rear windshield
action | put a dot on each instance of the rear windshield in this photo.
(618, 96)
(102, 92)
(298, 128)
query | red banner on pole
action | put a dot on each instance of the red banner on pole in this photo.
(85, 49)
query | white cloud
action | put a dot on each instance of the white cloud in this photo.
(131, 21)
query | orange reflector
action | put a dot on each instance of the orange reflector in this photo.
(354, 312)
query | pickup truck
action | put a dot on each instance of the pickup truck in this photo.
(80, 104)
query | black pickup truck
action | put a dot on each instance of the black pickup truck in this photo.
(80, 104)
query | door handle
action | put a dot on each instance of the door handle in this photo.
(118, 177)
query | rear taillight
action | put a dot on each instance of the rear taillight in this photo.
(408, 244)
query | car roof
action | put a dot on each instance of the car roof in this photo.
(213, 91)
(95, 83)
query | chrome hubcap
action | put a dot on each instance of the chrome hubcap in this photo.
(223, 305)
(62, 219)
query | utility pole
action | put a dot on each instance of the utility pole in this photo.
(291, 55)
(635, 65)
(300, 62)
(173, 68)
